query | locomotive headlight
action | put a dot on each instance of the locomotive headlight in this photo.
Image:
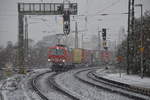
(63, 60)
(49, 59)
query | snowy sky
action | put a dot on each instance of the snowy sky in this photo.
(53, 24)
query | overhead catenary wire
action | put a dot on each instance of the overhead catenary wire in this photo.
(102, 10)
(109, 6)
(8, 15)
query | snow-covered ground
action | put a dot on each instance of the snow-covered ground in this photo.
(44, 86)
(84, 91)
(18, 87)
(11, 87)
(134, 80)
(15, 87)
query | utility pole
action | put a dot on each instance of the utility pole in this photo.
(142, 47)
(128, 37)
(99, 41)
(141, 40)
(26, 37)
(131, 37)
(76, 35)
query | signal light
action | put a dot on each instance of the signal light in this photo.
(66, 19)
(49, 59)
(66, 28)
(104, 33)
(63, 60)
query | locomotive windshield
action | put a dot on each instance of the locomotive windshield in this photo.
(57, 52)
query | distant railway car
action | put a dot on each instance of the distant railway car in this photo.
(96, 57)
(105, 56)
(87, 54)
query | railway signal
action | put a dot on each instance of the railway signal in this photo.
(66, 22)
(104, 38)
(104, 33)
(105, 44)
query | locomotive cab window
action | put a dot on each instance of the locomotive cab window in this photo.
(57, 51)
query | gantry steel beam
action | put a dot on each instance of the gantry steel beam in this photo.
(45, 8)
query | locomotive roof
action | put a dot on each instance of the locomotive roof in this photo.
(61, 47)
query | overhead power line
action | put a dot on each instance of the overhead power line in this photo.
(111, 5)
(100, 14)
(8, 15)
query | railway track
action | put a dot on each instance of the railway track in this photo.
(144, 91)
(93, 80)
(108, 85)
(52, 83)
(36, 89)
(59, 88)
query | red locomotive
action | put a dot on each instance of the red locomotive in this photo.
(60, 57)
(64, 58)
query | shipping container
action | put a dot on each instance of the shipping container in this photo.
(88, 57)
(97, 58)
(77, 55)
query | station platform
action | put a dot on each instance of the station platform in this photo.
(133, 80)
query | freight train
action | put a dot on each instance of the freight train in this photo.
(64, 58)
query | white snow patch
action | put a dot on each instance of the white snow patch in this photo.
(134, 80)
